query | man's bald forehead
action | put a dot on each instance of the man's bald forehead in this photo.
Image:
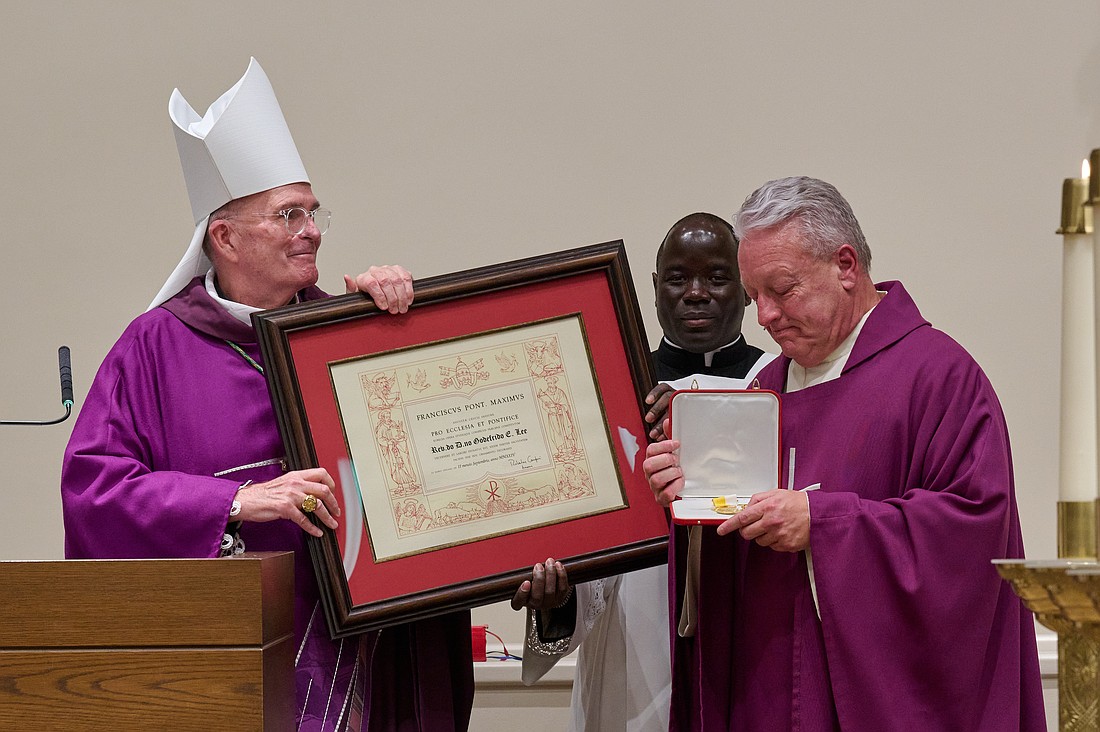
(704, 223)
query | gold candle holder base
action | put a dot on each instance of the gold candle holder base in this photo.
(1077, 529)
(1064, 594)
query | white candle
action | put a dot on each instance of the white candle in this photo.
(1078, 470)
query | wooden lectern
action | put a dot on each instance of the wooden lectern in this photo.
(148, 644)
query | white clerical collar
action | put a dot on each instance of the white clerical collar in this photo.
(238, 310)
(800, 378)
(708, 357)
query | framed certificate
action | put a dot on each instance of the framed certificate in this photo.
(497, 423)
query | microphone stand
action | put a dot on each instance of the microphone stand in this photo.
(66, 392)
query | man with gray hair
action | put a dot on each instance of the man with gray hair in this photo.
(863, 598)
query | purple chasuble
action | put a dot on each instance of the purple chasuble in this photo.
(917, 630)
(174, 422)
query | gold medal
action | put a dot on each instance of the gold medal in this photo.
(723, 506)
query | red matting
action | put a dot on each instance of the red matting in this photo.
(588, 293)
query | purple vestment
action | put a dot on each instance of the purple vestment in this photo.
(917, 630)
(172, 406)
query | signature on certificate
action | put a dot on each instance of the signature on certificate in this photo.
(524, 463)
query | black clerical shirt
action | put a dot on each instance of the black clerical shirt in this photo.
(733, 362)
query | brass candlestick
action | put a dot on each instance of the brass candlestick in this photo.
(1064, 593)
(1077, 479)
(1077, 529)
(1094, 177)
(1077, 203)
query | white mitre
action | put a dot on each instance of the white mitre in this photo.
(239, 147)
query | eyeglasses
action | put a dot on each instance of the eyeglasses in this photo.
(297, 217)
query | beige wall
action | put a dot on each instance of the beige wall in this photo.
(451, 135)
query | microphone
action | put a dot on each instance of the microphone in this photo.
(66, 376)
(66, 371)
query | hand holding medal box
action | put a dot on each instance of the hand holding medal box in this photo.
(729, 450)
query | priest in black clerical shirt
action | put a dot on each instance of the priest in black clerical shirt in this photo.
(623, 674)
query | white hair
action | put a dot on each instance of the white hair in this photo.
(823, 216)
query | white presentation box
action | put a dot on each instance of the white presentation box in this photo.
(729, 446)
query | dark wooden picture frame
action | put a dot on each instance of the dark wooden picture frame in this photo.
(300, 341)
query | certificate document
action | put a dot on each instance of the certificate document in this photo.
(478, 436)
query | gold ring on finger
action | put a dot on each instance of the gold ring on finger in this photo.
(310, 503)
